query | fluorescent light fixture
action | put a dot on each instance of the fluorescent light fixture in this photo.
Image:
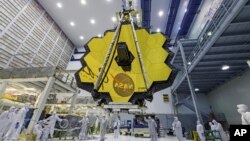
(99, 35)
(209, 33)
(185, 10)
(114, 19)
(189, 63)
(225, 67)
(179, 28)
(11, 89)
(137, 16)
(81, 37)
(72, 23)
(59, 5)
(92, 21)
(158, 30)
(108, 0)
(30, 89)
(248, 62)
(83, 2)
(160, 13)
(196, 89)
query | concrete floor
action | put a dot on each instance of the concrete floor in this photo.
(110, 137)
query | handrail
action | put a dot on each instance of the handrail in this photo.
(36, 72)
(205, 36)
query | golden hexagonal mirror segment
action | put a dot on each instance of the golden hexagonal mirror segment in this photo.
(127, 64)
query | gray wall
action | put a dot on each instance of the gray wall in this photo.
(225, 98)
(202, 103)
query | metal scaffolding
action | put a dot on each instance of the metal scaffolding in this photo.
(191, 52)
(47, 79)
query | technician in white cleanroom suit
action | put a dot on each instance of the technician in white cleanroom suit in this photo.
(5, 120)
(38, 130)
(46, 132)
(117, 125)
(103, 127)
(212, 127)
(52, 122)
(17, 123)
(178, 129)
(200, 131)
(219, 128)
(97, 123)
(152, 128)
(84, 128)
(245, 115)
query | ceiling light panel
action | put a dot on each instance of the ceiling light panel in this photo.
(114, 19)
(225, 67)
(72, 23)
(59, 5)
(92, 21)
(160, 13)
(83, 2)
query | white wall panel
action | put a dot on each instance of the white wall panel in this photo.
(29, 36)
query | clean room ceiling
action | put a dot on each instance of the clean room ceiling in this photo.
(83, 19)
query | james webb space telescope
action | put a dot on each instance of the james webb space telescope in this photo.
(128, 64)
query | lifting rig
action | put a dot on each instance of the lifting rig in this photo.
(127, 65)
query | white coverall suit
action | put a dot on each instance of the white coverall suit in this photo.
(178, 129)
(103, 126)
(6, 119)
(52, 122)
(38, 130)
(84, 128)
(200, 131)
(117, 128)
(245, 115)
(219, 128)
(17, 123)
(152, 128)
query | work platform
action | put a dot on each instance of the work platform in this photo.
(38, 77)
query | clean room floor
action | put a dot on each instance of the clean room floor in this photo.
(110, 137)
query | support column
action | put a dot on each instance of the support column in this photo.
(40, 104)
(3, 87)
(172, 97)
(73, 103)
(193, 95)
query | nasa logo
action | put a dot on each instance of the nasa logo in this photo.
(123, 85)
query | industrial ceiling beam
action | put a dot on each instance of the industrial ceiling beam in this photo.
(219, 49)
(25, 79)
(234, 34)
(218, 68)
(212, 72)
(231, 53)
(65, 86)
(239, 23)
(30, 84)
(242, 64)
(231, 62)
